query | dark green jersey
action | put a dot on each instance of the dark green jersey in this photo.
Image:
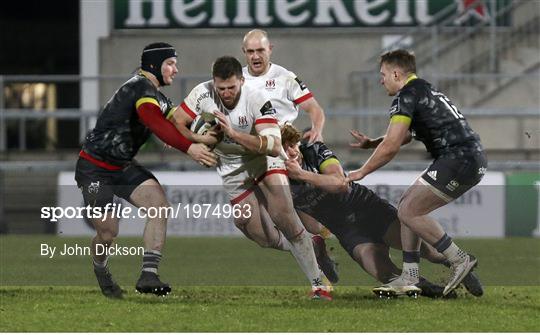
(435, 121)
(327, 207)
(119, 133)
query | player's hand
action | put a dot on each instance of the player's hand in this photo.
(354, 175)
(313, 135)
(225, 124)
(200, 153)
(362, 141)
(210, 138)
(294, 170)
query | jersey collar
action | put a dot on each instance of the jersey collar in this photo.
(410, 78)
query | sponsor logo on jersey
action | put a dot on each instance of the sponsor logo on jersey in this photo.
(242, 121)
(268, 109)
(452, 185)
(432, 174)
(270, 84)
(393, 109)
(327, 154)
(302, 85)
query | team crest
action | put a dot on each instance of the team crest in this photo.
(270, 84)
(93, 187)
(242, 121)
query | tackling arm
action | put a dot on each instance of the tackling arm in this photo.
(331, 179)
(396, 134)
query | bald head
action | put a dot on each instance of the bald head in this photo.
(257, 50)
(255, 34)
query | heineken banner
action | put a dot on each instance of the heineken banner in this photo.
(137, 14)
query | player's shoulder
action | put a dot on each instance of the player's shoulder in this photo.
(316, 152)
(140, 85)
(279, 71)
(415, 87)
(203, 88)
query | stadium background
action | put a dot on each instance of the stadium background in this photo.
(60, 61)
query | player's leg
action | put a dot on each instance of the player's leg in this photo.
(274, 238)
(420, 200)
(106, 232)
(325, 261)
(93, 182)
(275, 188)
(256, 225)
(375, 260)
(143, 191)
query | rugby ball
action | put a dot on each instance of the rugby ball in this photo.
(203, 123)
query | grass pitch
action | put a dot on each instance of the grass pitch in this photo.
(230, 284)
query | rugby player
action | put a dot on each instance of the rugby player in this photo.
(365, 225)
(288, 94)
(422, 112)
(106, 166)
(251, 135)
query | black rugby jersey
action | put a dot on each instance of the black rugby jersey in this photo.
(119, 133)
(435, 121)
(325, 207)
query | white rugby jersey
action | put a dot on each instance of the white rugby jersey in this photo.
(253, 108)
(283, 87)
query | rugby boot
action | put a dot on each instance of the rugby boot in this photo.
(459, 271)
(108, 286)
(401, 285)
(149, 282)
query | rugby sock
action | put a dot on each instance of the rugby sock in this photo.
(283, 243)
(410, 263)
(151, 260)
(448, 248)
(100, 265)
(302, 250)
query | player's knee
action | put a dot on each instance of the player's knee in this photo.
(404, 214)
(107, 237)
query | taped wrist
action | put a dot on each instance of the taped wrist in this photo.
(270, 134)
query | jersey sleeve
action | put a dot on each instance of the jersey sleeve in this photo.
(199, 100)
(325, 156)
(297, 91)
(318, 155)
(403, 107)
(145, 92)
(261, 108)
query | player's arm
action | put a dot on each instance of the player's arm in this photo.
(364, 142)
(316, 114)
(151, 116)
(268, 140)
(396, 134)
(331, 179)
(182, 118)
